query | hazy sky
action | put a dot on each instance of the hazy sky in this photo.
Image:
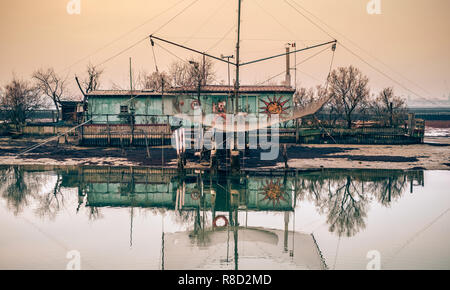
(411, 36)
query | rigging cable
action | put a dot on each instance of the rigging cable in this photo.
(121, 52)
(158, 29)
(154, 56)
(310, 20)
(279, 23)
(173, 18)
(122, 36)
(102, 63)
(356, 55)
(326, 92)
(362, 49)
(410, 240)
(171, 53)
(387, 76)
(221, 39)
(337, 251)
(205, 22)
(299, 63)
(31, 148)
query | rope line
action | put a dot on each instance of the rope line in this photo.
(358, 56)
(158, 29)
(45, 141)
(174, 17)
(221, 39)
(310, 20)
(171, 53)
(387, 76)
(362, 49)
(299, 63)
(276, 20)
(410, 240)
(122, 51)
(205, 22)
(122, 36)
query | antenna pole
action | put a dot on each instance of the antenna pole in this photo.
(131, 78)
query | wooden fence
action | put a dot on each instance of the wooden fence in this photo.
(123, 135)
(382, 136)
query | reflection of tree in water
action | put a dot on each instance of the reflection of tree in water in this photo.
(184, 217)
(346, 208)
(14, 189)
(51, 201)
(19, 187)
(389, 189)
(310, 189)
(93, 213)
(344, 197)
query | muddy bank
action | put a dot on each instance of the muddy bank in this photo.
(445, 124)
(421, 156)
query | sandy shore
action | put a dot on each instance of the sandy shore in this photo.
(422, 156)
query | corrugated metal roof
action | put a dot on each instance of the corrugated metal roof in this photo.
(122, 93)
(243, 89)
(204, 89)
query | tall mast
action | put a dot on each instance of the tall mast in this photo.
(237, 57)
(236, 86)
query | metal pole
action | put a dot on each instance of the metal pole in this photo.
(204, 70)
(295, 70)
(162, 109)
(236, 93)
(229, 84)
(131, 78)
(229, 76)
(288, 68)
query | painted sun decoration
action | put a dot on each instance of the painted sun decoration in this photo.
(275, 106)
(273, 191)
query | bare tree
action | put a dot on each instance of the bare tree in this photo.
(389, 108)
(195, 72)
(154, 81)
(348, 88)
(51, 85)
(303, 97)
(92, 81)
(19, 99)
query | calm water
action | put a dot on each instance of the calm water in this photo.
(437, 132)
(122, 218)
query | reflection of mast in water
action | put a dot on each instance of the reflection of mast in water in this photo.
(131, 226)
(162, 242)
(286, 231)
(236, 228)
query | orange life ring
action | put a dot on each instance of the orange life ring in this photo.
(195, 104)
(195, 194)
(220, 217)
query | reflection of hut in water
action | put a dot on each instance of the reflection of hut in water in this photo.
(256, 248)
(121, 187)
(125, 187)
(145, 187)
(343, 197)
